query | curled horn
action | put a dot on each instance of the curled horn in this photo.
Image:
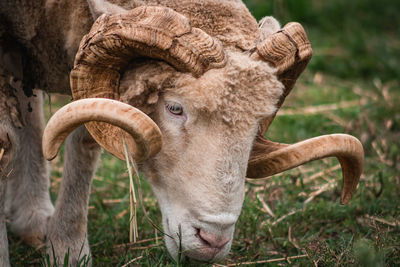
(269, 158)
(115, 40)
(145, 132)
(289, 51)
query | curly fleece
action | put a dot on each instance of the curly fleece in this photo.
(241, 91)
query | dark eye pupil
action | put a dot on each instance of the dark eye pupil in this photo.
(175, 109)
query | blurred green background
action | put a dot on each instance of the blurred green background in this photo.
(351, 38)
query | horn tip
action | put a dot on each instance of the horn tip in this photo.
(345, 198)
(50, 158)
(49, 155)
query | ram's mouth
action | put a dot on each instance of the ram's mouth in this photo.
(200, 253)
(170, 240)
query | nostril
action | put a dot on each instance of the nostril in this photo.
(204, 241)
(211, 240)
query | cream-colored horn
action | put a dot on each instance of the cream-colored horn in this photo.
(146, 31)
(289, 51)
(269, 158)
(129, 120)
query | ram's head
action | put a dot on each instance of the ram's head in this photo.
(204, 112)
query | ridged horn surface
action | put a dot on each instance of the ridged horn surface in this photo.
(128, 120)
(148, 31)
(289, 51)
(269, 158)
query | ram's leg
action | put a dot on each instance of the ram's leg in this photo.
(28, 202)
(3, 231)
(67, 229)
(7, 152)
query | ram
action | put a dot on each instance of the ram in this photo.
(192, 86)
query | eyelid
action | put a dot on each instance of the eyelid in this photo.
(174, 108)
(180, 116)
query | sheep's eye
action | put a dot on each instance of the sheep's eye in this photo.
(174, 108)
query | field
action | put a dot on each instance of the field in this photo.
(294, 218)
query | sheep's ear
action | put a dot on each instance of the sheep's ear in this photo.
(268, 26)
(100, 7)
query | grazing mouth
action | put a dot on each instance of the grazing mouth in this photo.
(200, 253)
(193, 248)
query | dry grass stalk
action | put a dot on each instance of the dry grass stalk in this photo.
(121, 214)
(156, 235)
(381, 155)
(384, 90)
(8, 174)
(323, 188)
(132, 260)
(265, 206)
(267, 261)
(394, 224)
(136, 243)
(337, 119)
(137, 248)
(112, 201)
(291, 239)
(319, 174)
(135, 169)
(284, 217)
(305, 169)
(101, 179)
(258, 189)
(371, 125)
(365, 93)
(1, 153)
(133, 231)
(319, 108)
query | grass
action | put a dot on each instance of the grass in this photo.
(351, 86)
